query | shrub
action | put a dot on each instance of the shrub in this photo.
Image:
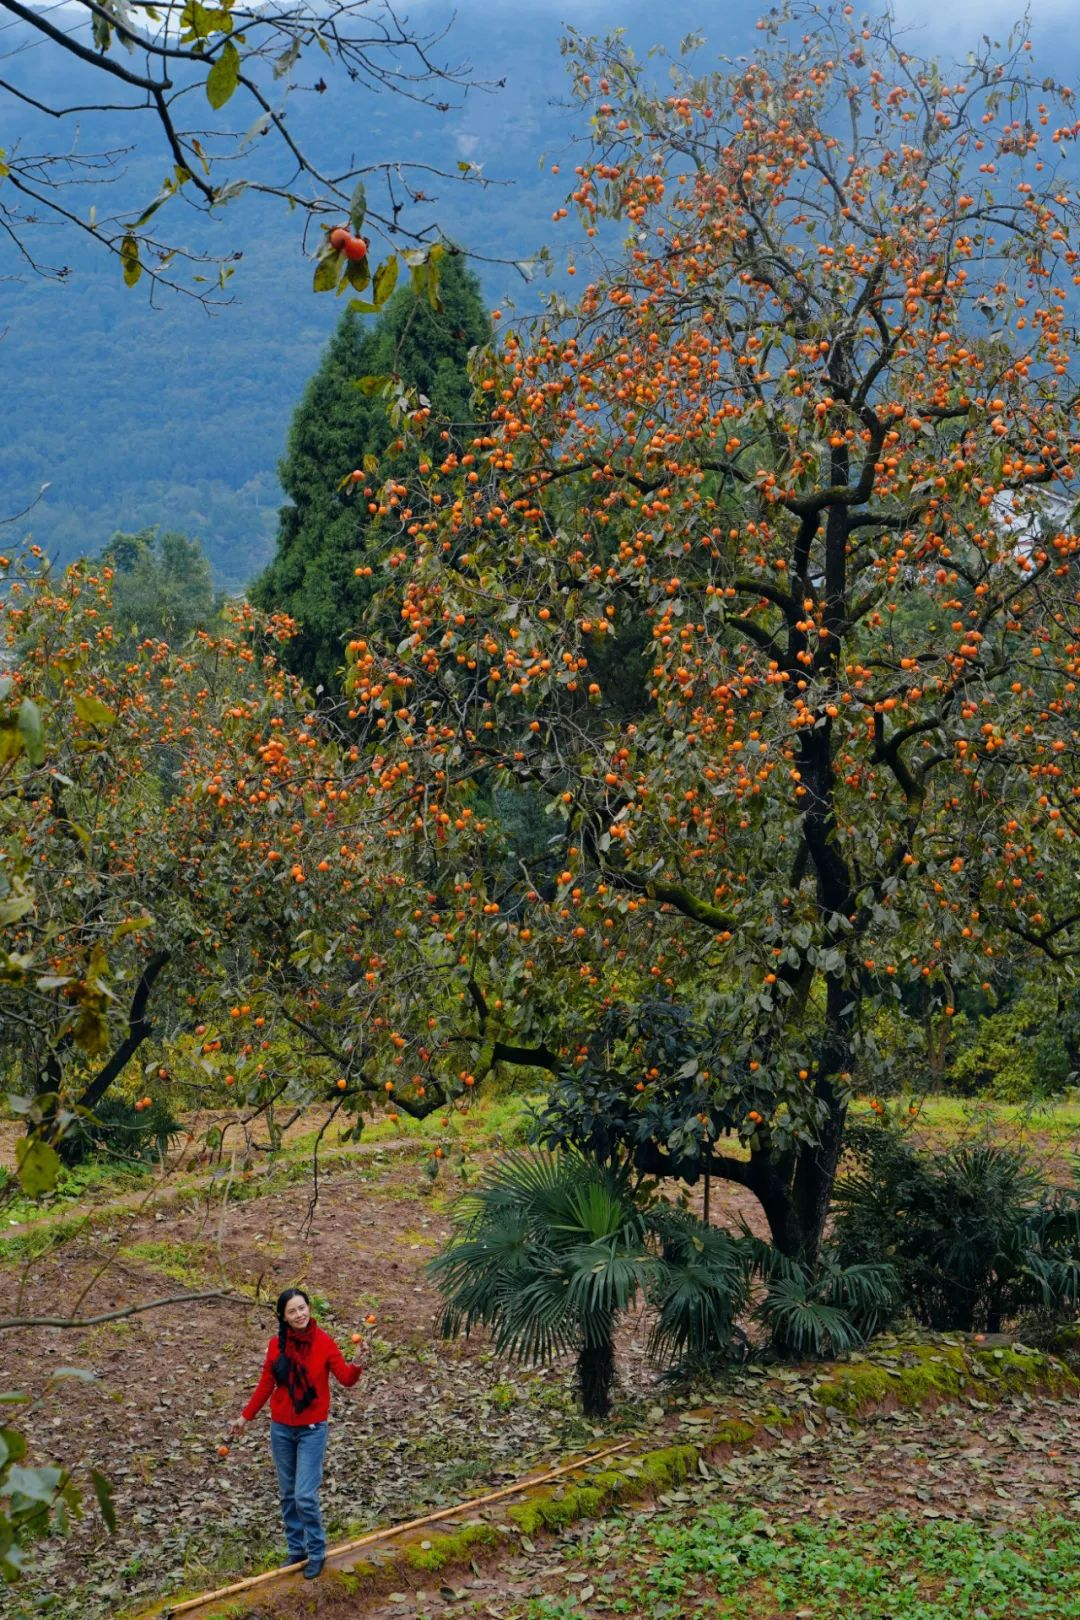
(975, 1236)
(699, 1289)
(549, 1250)
(822, 1310)
(115, 1131)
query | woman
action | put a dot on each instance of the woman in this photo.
(296, 1377)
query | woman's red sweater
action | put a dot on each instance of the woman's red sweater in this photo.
(320, 1357)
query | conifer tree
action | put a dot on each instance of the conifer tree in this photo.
(322, 533)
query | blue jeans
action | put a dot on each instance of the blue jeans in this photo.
(298, 1452)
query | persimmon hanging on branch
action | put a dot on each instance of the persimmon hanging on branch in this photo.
(157, 71)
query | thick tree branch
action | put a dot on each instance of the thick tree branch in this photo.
(698, 910)
(139, 1028)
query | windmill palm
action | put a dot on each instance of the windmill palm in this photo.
(550, 1248)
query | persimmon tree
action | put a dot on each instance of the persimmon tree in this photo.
(814, 431)
(210, 89)
(189, 869)
(95, 924)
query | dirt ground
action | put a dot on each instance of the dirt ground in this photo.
(998, 1467)
(431, 1423)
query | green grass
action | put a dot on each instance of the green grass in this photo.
(490, 1121)
(740, 1565)
(1058, 1119)
(183, 1262)
(95, 1179)
(39, 1240)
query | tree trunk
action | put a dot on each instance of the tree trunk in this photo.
(50, 1082)
(812, 1186)
(595, 1372)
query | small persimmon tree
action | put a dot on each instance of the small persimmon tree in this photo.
(192, 879)
(104, 936)
(809, 441)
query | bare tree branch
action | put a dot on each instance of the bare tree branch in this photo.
(124, 1310)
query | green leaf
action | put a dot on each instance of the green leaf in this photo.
(103, 1492)
(30, 730)
(129, 259)
(327, 272)
(169, 189)
(425, 275)
(372, 385)
(94, 712)
(224, 76)
(358, 207)
(12, 1446)
(357, 275)
(131, 925)
(17, 903)
(11, 739)
(38, 1484)
(385, 281)
(38, 1165)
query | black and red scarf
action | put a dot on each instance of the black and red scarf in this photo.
(290, 1370)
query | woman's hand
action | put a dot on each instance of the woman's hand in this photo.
(237, 1426)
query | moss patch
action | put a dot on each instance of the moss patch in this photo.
(348, 1581)
(918, 1373)
(732, 1432)
(452, 1548)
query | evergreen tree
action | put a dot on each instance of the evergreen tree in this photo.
(322, 531)
(162, 584)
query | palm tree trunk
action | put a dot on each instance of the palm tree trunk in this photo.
(595, 1372)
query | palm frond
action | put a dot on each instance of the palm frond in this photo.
(803, 1323)
(603, 1279)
